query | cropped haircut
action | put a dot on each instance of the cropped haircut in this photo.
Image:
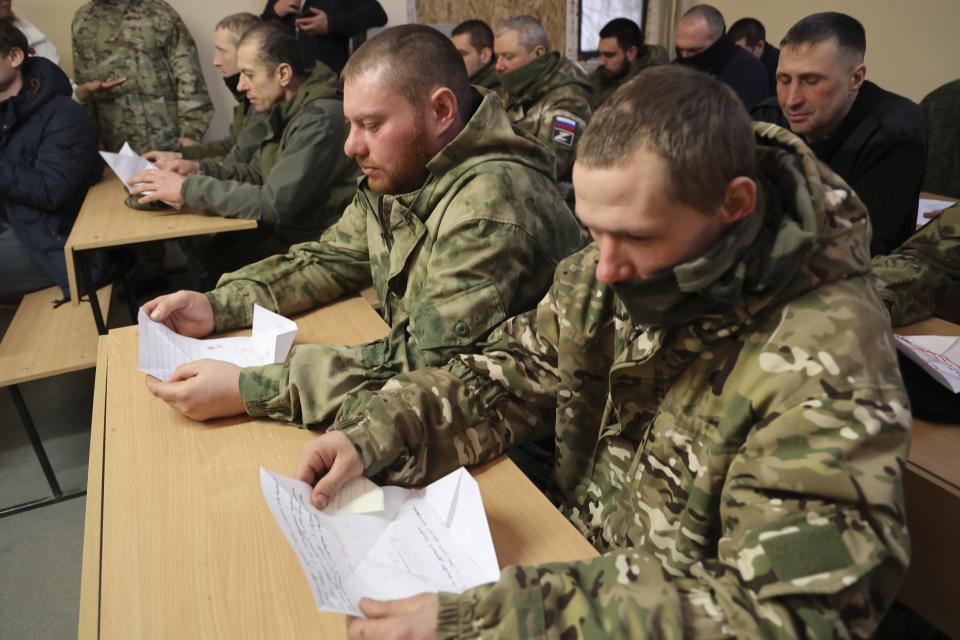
(275, 47)
(413, 60)
(12, 38)
(818, 27)
(626, 31)
(693, 121)
(715, 21)
(749, 29)
(238, 24)
(481, 35)
(530, 31)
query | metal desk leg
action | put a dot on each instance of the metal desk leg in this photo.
(38, 449)
(85, 273)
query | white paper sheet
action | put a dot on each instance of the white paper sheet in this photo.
(126, 164)
(163, 350)
(928, 205)
(432, 539)
(937, 355)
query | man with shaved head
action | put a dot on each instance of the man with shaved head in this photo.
(457, 223)
(701, 43)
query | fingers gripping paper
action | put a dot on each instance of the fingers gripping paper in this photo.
(163, 350)
(432, 539)
(126, 164)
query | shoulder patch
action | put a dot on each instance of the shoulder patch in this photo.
(564, 131)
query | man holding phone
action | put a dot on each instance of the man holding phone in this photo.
(323, 28)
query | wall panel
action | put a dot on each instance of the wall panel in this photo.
(550, 12)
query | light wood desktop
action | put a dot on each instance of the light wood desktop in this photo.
(105, 221)
(178, 540)
(932, 490)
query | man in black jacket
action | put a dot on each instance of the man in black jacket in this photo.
(48, 159)
(323, 28)
(702, 43)
(874, 139)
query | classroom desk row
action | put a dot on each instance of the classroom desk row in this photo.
(178, 540)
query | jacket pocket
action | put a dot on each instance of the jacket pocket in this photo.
(461, 320)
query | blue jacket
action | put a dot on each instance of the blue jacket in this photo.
(48, 160)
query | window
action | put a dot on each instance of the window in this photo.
(594, 14)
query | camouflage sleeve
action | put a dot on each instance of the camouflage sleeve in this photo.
(814, 544)
(194, 107)
(310, 274)
(916, 278)
(468, 293)
(300, 177)
(561, 124)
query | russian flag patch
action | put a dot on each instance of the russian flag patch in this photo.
(564, 130)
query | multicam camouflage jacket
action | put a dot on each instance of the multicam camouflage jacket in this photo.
(915, 280)
(549, 98)
(145, 42)
(298, 181)
(739, 473)
(653, 55)
(450, 261)
(247, 129)
(487, 78)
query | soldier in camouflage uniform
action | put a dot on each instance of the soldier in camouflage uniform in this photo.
(731, 432)
(297, 181)
(248, 125)
(920, 275)
(623, 55)
(474, 41)
(469, 240)
(546, 95)
(144, 41)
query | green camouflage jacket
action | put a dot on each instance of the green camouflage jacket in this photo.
(941, 111)
(549, 98)
(916, 279)
(450, 261)
(246, 131)
(487, 78)
(653, 55)
(739, 473)
(298, 181)
(145, 41)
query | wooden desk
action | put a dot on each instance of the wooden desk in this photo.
(104, 221)
(932, 491)
(178, 540)
(934, 196)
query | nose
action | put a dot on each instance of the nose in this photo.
(611, 267)
(243, 84)
(354, 146)
(501, 64)
(793, 94)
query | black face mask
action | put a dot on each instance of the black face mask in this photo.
(711, 59)
(232, 82)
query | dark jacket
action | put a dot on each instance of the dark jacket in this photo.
(48, 160)
(738, 68)
(770, 59)
(879, 149)
(347, 18)
(941, 112)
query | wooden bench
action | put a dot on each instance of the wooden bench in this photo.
(45, 341)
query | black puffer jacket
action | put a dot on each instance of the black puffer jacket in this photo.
(48, 160)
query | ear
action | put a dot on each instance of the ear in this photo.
(758, 50)
(632, 53)
(539, 50)
(284, 74)
(486, 55)
(739, 200)
(442, 110)
(857, 76)
(17, 57)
